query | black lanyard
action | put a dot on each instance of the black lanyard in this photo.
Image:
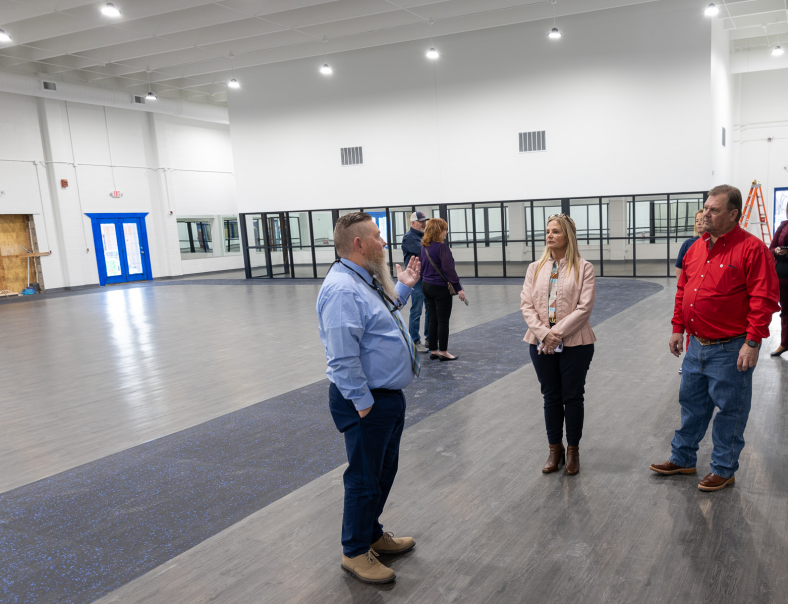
(386, 300)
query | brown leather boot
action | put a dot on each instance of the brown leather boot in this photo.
(572, 460)
(556, 457)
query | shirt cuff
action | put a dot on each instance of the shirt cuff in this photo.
(678, 329)
(751, 336)
(365, 402)
(403, 291)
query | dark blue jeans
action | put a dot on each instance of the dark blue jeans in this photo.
(416, 305)
(709, 379)
(563, 380)
(372, 445)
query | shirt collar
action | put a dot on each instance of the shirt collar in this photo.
(729, 235)
(359, 269)
(417, 232)
(561, 261)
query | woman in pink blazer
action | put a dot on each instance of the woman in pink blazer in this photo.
(556, 301)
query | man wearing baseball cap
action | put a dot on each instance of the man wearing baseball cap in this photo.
(411, 246)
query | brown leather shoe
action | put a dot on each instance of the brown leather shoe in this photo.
(367, 569)
(572, 460)
(388, 544)
(712, 482)
(556, 457)
(670, 468)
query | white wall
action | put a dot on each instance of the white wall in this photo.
(164, 165)
(624, 104)
(761, 114)
(722, 100)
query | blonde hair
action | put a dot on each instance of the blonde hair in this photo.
(567, 225)
(434, 231)
(695, 222)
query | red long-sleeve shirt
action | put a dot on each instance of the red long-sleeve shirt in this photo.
(727, 289)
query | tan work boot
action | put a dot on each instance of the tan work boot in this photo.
(388, 544)
(367, 569)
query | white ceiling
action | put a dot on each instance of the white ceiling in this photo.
(186, 44)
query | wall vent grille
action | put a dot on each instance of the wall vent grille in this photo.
(352, 156)
(533, 141)
(139, 99)
(50, 86)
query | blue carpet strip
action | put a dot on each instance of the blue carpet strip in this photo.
(80, 534)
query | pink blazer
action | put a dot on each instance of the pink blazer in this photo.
(574, 301)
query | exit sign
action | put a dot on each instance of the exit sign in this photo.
(116, 194)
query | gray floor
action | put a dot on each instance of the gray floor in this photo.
(125, 366)
(491, 528)
(89, 375)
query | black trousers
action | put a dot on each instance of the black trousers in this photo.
(372, 445)
(438, 301)
(563, 380)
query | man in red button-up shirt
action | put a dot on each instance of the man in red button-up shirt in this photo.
(725, 299)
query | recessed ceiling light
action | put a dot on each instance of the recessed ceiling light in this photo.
(777, 52)
(432, 54)
(110, 10)
(711, 10)
(554, 33)
(326, 69)
(150, 96)
(233, 83)
(4, 37)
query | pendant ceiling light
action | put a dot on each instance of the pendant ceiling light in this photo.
(432, 54)
(150, 96)
(711, 10)
(554, 33)
(233, 83)
(110, 10)
(777, 51)
(4, 37)
(326, 69)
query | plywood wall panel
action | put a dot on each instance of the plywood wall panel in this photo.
(14, 237)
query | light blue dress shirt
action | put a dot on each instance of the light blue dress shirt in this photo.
(364, 347)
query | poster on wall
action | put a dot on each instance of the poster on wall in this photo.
(780, 207)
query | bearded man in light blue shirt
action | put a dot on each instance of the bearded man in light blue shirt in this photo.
(370, 358)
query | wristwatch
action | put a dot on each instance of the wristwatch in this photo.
(752, 343)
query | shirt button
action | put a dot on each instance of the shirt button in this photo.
(720, 266)
(690, 304)
(701, 275)
(696, 290)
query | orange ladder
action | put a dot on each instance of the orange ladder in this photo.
(756, 198)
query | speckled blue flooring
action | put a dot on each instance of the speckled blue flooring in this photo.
(80, 534)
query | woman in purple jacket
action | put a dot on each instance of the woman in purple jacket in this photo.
(779, 248)
(437, 270)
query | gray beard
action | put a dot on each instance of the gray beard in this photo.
(379, 268)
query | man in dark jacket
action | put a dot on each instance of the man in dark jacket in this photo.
(411, 246)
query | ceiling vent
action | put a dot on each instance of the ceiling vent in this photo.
(533, 141)
(352, 156)
(139, 99)
(50, 86)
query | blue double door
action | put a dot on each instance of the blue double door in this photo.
(121, 248)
